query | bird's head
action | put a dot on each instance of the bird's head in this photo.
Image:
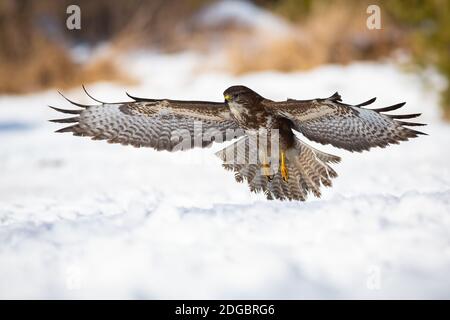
(241, 95)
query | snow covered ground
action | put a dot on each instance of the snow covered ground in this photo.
(86, 219)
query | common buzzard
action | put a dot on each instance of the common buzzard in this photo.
(268, 154)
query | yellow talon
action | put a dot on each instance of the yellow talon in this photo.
(283, 168)
(266, 169)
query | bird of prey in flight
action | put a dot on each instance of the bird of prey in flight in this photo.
(268, 154)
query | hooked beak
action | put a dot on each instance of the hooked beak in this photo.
(227, 97)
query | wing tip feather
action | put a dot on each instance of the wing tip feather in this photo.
(366, 103)
(75, 103)
(90, 96)
(390, 108)
(65, 120)
(66, 110)
(67, 129)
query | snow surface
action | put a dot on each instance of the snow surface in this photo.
(86, 219)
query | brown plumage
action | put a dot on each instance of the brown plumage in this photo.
(268, 155)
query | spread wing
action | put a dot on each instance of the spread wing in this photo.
(351, 127)
(161, 124)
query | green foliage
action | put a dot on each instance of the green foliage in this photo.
(429, 25)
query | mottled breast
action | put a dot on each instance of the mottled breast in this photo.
(250, 118)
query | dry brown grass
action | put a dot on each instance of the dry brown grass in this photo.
(285, 54)
(52, 67)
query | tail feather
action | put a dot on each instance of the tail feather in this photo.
(311, 180)
(276, 187)
(295, 184)
(308, 170)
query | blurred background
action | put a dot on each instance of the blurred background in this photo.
(38, 51)
(88, 219)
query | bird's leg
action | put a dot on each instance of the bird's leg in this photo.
(283, 168)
